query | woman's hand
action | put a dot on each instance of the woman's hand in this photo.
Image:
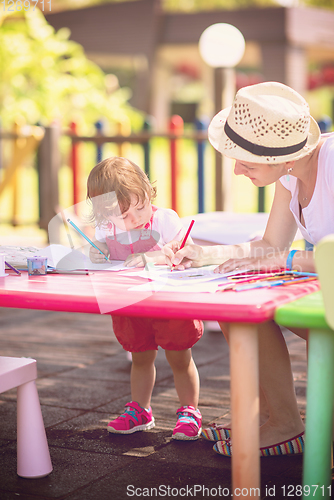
(265, 264)
(188, 256)
(95, 255)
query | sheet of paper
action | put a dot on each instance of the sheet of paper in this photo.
(63, 258)
(150, 271)
(192, 280)
(17, 256)
(191, 276)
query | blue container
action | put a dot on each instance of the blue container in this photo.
(37, 265)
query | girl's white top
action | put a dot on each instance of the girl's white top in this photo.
(165, 222)
(319, 214)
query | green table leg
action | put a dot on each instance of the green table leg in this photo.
(319, 415)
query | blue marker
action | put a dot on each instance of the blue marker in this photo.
(86, 238)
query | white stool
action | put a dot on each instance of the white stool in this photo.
(33, 457)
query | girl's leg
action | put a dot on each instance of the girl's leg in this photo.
(143, 377)
(186, 377)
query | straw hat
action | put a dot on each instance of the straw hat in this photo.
(267, 123)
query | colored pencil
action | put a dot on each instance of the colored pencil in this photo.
(87, 239)
(301, 273)
(185, 238)
(232, 285)
(273, 283)
(59, 271)
(13, 268)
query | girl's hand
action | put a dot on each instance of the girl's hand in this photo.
(265, 264)
(136, 260)
(141, 259)
(188, 256)
(95, 255)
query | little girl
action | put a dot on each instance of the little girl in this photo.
(130, 228)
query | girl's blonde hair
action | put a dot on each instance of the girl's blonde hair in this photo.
(110, 185)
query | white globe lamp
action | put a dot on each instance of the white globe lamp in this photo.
(222, 45)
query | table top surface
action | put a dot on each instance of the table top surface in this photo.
(306, 312)
(106, 292)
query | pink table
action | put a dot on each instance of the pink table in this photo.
(108, 292)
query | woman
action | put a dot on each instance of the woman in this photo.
(271, 135)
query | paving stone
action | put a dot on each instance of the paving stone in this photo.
(84, 381)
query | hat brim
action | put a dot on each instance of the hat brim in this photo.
(221, 142)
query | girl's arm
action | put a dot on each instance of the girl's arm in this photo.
(158, 257)
(95, 255)
(141, 259)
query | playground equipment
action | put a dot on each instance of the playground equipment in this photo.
(25, 143)
(174, 135)
(45, 144)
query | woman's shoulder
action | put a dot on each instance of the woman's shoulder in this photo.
(328, 144)
(326, 159)
(326, 153)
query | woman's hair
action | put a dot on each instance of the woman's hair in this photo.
(112, 183)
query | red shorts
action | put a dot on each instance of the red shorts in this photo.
(138, 334)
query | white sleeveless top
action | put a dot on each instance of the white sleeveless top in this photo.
(319, 214)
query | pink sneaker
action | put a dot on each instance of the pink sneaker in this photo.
(188, 425)
(135, 418)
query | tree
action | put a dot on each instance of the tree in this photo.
(198, 5)
(319, 3)
(45, 77)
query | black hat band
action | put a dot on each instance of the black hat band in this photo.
(257, 149)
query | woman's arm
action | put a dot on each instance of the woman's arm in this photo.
(196, 256)
(271, 250)
(281, 226)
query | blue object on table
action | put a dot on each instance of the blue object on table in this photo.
(37, 265)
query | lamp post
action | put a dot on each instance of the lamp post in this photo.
(222, 46)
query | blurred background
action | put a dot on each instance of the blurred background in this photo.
(82, 80)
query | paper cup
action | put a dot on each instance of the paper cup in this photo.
(2, 265)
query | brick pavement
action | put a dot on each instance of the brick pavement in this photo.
(84, 381)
